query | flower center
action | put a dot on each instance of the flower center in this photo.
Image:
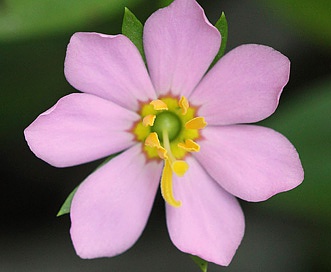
(169, 122)
(172, 122)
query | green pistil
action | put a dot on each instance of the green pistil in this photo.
(169, 122)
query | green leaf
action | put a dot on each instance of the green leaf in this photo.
(306, 123)
(165, 3)
(222, 26)
(65, 208)
(203, 265)
(133, 29)
(25, 18)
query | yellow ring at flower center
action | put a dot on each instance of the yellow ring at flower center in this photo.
(141, 132)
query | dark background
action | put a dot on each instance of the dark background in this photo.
(290, 232)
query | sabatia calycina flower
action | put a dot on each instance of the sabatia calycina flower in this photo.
(176, 124)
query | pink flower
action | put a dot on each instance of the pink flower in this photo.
(158, 118)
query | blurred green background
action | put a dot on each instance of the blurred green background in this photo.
(290, 232)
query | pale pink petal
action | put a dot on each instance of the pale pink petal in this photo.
(108, 66)
(243, 87)
(110, 208)
(80, 128)
(180, 44)
(250, 162)
(210, 222)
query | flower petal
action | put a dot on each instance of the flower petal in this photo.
(80, 128)
(179, 44)
(210, 222)
(250, 162)
(108, 66)
(243, 87)
(110, 208)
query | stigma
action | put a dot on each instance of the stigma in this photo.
(171, 133)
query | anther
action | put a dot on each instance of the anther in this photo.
(179, 168)
(148, 120)
(196, 123)
(159, 105)
(183, 104)
(152, 140)
(190, 146)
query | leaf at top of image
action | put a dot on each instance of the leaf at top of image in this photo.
(20, 19)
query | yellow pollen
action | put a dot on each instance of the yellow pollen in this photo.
(183, 104)
(159, 105)
(149, 120)
(152, 140)
(189, 146)
(196, 123)
(179, 168)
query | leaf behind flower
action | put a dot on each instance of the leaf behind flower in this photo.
(203, 265)
(65, 208)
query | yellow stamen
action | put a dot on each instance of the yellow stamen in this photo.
(179, 168)
(149, 120)
(159, 105)
(183, 104)
(196, 123)
(152, 140)
(162, 152)
(190, 146)
(172, 147)
(166, 186)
